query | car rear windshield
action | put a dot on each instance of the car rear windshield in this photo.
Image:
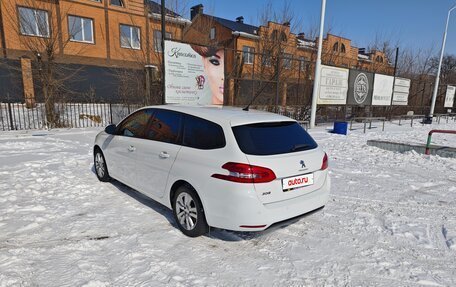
(273, 138)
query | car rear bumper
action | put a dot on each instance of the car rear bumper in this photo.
(241, 210)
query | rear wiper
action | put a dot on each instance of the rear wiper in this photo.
(299, 147)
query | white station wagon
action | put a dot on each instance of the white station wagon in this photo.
(220, 167)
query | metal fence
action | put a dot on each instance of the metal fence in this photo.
(16, 116)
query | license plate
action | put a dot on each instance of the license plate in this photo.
(297, 181)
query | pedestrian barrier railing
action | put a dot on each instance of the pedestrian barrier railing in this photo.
(304, 124)
(366, 120)
(448, 117)
(428, 144)
(411, 117)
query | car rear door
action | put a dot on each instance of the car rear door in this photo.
(157, 154)
(289, 151)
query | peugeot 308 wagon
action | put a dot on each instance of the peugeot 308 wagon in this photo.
(219, 167)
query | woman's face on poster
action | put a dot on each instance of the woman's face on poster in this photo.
(214, 68)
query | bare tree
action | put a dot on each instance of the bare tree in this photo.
(448, 69)
(140, 80)
(385, 43)
(274, 57)
(38, 33)
(415, 64)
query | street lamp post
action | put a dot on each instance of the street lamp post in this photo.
(437, 78)
(313, 111)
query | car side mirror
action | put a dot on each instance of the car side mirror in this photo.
(111, 129)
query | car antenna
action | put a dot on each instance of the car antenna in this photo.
(254, 98)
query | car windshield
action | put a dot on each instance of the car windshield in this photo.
(273, 138)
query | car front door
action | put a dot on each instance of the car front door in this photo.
(158, 153)
(121, 151)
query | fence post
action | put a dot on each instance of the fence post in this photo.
(1, 116)
(110, 111)
(10, 116)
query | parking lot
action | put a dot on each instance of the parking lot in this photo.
(390, 221)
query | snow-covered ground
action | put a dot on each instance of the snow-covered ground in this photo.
(390, 221)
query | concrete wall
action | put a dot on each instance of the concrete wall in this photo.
(442, 151)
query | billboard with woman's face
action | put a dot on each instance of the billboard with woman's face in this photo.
(194, 74)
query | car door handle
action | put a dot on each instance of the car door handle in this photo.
(163, 154)
(131, 148)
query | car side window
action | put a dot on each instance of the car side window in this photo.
(202, 134)
(165, 126)
(135, 124)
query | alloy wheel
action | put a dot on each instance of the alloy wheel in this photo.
(186, 211)
(99, 165)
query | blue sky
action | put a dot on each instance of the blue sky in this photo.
(415, 24)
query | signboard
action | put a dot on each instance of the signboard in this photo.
(383, 90)
(360, 87)
(333, 86)
(401, 91)
(449, 98)
(193, 74)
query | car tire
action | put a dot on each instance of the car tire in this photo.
(188, 212)
(101, 169)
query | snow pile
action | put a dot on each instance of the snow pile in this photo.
(391, 221)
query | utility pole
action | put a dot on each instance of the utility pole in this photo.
(394, 82)
(163, 34)
(313, 111)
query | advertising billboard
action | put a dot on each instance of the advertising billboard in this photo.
(383, 90)
(401, 91)
(449, 97)
(333, 86)
(360, 87)
(193, 74)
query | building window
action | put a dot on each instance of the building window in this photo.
(80, 29)
(212, 34)
(33, 22)
(158, 38)
(117, 3)
(379, 59)
(248, 54)
(130, 37)
(336, 47)
(266, 60)
(342, 49)
(303, 64)
(287, 61)
(275, 36)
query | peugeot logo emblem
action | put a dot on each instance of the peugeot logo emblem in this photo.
(303, 165)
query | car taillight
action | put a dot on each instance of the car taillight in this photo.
(246, 173)
(324, 165)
